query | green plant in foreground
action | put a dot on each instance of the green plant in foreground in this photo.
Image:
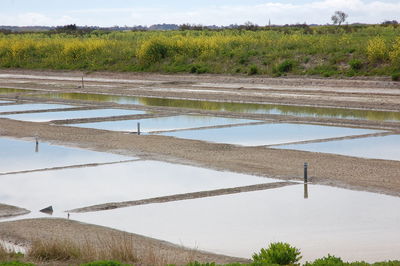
(278, 253)
(396, 76)
(253, 70)
(355, 64)
(285, 66)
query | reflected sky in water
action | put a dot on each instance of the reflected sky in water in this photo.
(267, 134)
(349, 224)
(49, 116)
(80, 187)
(386, 147)
(302, 111)
(20, 155)
(31, 107)
(164, 123)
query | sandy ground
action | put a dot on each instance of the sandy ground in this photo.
(381, 176)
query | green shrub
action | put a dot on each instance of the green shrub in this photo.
(278, 253)
(355, 64)
(285, 66)
(396, 76)
(326, 261)
(253, 70)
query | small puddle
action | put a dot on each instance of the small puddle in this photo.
(382, 147)
(164, 123)
(6, 102)
(268, 134)
(63, 115)
(20, 155)
(31, 107)
(72, 188)
(300, 111)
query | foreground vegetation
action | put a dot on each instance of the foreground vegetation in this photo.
(299, 50)
(57, 252)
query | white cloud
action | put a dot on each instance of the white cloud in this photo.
(34, 19)
(318, 12)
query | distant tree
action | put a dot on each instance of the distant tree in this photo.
(339, 17)
(393, 23)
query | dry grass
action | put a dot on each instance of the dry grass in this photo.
(112, 248)
(107, 248)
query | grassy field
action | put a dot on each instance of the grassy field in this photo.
(323, 51)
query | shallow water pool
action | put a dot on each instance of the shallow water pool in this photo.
(164, 123)
(63, 115)
(268, 134)
(31, 107)
(79, 187)
(382, 147)
(22, 155)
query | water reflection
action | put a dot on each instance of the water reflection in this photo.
(385, 147)
(233, 107)
(305, 191)
(62, 115)
(358, 225)
(241, 224)
(268, 134)
(164, 123)
(79, 187)
(31, 107)
(21, 155)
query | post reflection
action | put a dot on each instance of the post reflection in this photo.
(305, 191)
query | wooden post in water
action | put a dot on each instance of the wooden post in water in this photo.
(83, 84)
(305, 172)
(138, 128)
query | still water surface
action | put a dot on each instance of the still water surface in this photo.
(164, 123)
(62, 115)
(384, 147)
(31, 107)
(268, 134)
(350, 224)
(232, 107)
(22, 155)
(72, 188)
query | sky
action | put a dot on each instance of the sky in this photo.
(206, 12)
